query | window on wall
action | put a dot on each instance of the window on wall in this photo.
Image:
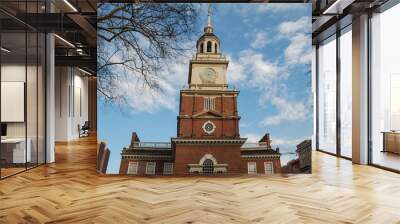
(327, 95)
(385, 89)
(346, 92)
(209, 103)
(132, 168)
(252, 168)
(216, 48)
(268, 168)
(209, 46)
(150, 168)
(168, 168)
(201, 48)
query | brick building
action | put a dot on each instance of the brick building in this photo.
(208, 139)
(304, 153)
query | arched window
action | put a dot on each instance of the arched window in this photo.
(208, 166)
(201, 47)
(216, 48)
(209, 46)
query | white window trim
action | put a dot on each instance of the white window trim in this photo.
(204, 127)
(251, 171)
(131, 166)
(168, 172)
(152, 171)
(209, 103)
(265, 168)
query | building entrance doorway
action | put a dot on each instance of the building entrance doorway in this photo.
(208, 166)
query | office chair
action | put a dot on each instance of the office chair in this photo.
(84, 130)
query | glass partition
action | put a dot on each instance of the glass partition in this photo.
(31, 100)
(22, 88)
(346, 92)
(327, 95)
(41, 97)
(385, 89)
(13, 105)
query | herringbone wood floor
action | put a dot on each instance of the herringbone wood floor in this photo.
(70, 191)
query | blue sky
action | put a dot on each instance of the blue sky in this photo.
(269, 47)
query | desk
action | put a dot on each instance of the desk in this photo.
(391, 142)
(13, 150)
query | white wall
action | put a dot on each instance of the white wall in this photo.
(16, 73)
(33, 126)
(71, 87)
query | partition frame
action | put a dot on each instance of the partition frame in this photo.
(387, 5)
(44, 93)
(338, 33)
(382, 8)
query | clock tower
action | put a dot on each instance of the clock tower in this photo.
(208, 139)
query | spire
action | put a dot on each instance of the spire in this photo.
(208, 28)
(209, 16)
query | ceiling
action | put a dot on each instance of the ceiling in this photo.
(73, 22)
(328, 15)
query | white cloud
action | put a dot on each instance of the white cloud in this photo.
(140, 98)
(247, 11)
(298, 32)
(236, 71)
(260, 40)
(302, 25)
(288, 110)
(299, 50)
(284, 143)
(287, 142)
(251, 137)
(262, 71)
(252, 69)
(279, 7)
(257, 72)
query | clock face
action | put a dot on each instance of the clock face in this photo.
(208, 76)
(208, 127)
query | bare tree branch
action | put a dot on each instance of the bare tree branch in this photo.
(137, 39)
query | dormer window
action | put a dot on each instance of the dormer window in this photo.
(209, 47)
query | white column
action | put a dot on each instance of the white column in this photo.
(50, 92)
(50, 100)
(360, 90)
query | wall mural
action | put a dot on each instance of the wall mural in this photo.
(199, 89)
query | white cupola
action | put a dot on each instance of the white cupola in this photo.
(208, 43)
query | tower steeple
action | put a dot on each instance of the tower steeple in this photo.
(208, 66)
(208, 28)
(208, 43)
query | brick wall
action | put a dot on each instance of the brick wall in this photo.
(142, 166)
(191, 154)
(260, 165)
(192, 104)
